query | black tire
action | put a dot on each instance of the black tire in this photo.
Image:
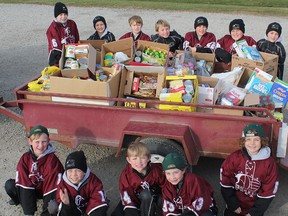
(162, 147)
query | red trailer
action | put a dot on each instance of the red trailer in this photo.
(192, 134)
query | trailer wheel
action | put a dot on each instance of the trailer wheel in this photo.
(159, 148)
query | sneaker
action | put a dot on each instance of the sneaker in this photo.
(12, 202)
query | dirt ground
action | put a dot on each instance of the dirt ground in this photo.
(24, 54)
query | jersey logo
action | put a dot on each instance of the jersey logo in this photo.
(78, 201)
(246, 182)
(145, 185)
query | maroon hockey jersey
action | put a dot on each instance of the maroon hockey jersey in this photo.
(87, 196)
(250, 178)
(195, 195)
(41, 174)
(59, 34)
(227, 41)
(208, 40)
(131, 183)
(141, 36)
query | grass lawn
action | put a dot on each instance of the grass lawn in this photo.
(260, 7)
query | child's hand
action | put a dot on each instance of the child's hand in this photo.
(192, 49)
(64, 196)
(238, 210)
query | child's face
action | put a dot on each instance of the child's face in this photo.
(236, 34)
(136, 27)
(39, 145)
(100, 27)
(75, 175)
(62, 18)
(174, 176)
(201, 30)
(139, 163)
(272, 36)
(164, 31)
(253, 144)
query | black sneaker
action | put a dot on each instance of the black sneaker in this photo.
(12, 202)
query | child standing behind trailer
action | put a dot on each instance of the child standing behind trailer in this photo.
(139, 183)
(165, 36)
(61, 31)
(101, 33)
(200, 40)
(136, 24)
(185, 193)
(224, 48)
(37, 174)
(249, 176)
(80, 192)
(272, 44)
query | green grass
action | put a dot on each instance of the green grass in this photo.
(260, 7)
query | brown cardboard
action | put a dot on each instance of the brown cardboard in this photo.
(130, 72)
(270, 64)
(97, 44)
(91, 60)
(67, 85)
(212, 92)
(228, 112)
(208, 57)
(251, 100)
(124, 45)
(244, 78)
(142, 45)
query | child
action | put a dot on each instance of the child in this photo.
(272, 44)
(185, 193)
(37, 174)
(101, 33)
(224, 46)
(200, 40)
(139, 183)
(249, 177)
(80, 192)
(136, 24)
(61, 31)
(164, 35)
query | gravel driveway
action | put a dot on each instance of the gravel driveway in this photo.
(24, 54)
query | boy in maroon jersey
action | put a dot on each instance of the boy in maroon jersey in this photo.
(249, 176)
(224, 48)
(184, 193)
(200, 40)
(80, 192)
(61, 31)
(139, 183)
(37, 174)
(136, 24)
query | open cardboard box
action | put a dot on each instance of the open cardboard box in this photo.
(270, 64)
(143, 45)
(91, 60)
(97, 44)
(125, 45)
(66, 84)
(208, 57)
(131, 71)
(187, 108)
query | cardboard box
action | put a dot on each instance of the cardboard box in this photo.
(188, 108)
(270, 64)
(208, 57)
(67, 85)
(125, 45)
(208, 95)
(97, 44)
(91, 61)
(143, 45)
(131, 71)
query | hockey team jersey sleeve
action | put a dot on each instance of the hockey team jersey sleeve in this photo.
(227, 182)
(128, 196)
